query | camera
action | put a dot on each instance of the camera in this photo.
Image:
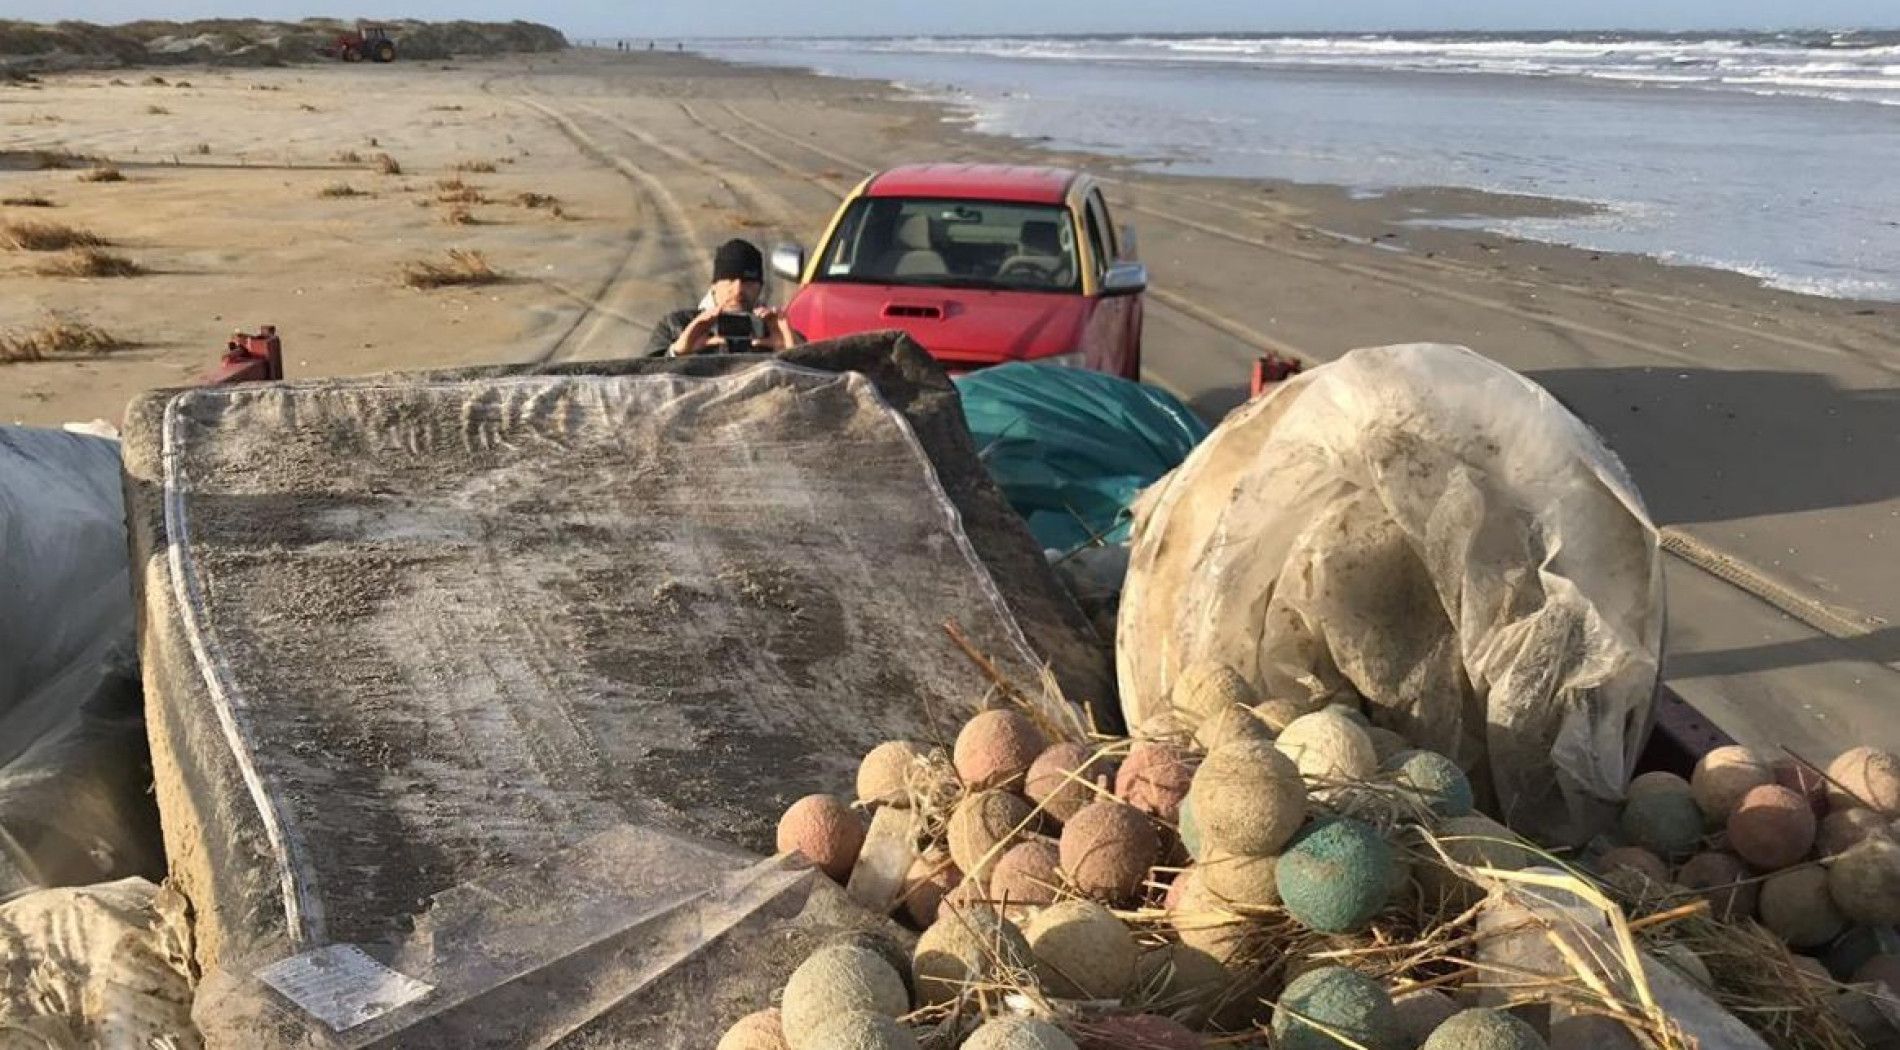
(738, 330)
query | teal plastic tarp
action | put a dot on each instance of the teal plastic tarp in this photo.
(1071, 449)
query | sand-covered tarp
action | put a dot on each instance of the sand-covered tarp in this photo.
(402, 631)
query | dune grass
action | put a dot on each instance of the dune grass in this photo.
(103, 173)
(47, 237)
(462, 267)
(33, 200)
(388, 165)
(341, 189)
(57, 337)
(90, 262)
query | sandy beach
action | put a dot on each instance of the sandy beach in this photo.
(1762, 426)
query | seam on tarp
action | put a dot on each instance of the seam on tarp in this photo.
(303, 916)
(302, 911)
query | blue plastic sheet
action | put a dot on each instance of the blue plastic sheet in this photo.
(1072, 449)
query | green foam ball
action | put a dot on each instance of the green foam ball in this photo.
(1344, 1001)
(1484, 1030)
(1666, 823)
(1336, 875)
(1435, 779)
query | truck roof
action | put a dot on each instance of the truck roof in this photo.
(992, 182)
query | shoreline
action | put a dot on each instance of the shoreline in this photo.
(1443, 202)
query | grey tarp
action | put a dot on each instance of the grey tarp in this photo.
(401, 631)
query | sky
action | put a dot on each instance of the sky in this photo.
(674, 18)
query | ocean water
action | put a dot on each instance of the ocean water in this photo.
(1775, 155)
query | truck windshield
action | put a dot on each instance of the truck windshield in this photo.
(954, 243)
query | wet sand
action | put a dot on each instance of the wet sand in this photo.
(1762, 426)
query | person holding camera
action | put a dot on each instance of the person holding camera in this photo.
(731, 318)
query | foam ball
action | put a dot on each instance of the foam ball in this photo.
(1206, 688)
(1795, 905)
(859, 1030)
(884, 775)
(1181, 973)
(1154, 778)
(996, 749)
(1350, 712)
(1434, 780)
(1026, 873)
(1724, 775)
(1771, 828)
(931, 876)
(1247, 798)
(826, 831)
(1882, 971)
(1865, 776)
(1865, 881)
(1241, 879)
(1107, 849)
(1343, 1001)
(1327, 746)
(1481, 1029)
(1658, 780)
(1335, 876)
(1143, 1031)
(1059, 778)
(1721, 878)
(1233, 722)
(964, 945)
(1082, 951)
(980, 825)
(1277, 714)
(1421, 1012)
(1809, 784)
(1633, 860)
(1844, 827)
(1203, 921)
(1592, 1032)
(1667, 823)
(837, 978)
(1686, 962)
(1386, 743)
(755, 1031)
(1017, 1033)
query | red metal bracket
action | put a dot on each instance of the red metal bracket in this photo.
(249, 359)
(1271, 369)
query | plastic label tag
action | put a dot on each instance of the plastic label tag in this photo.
(342, 986)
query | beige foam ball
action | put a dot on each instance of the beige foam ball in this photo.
(1206, 688)
(1803, 781)
(1154, 778)
(1724, 775)
(1017, 1033)
(996, 749)
(1633, 860)
(1329, 747)
(1865, 776)
(826, 830)
(1026, 874)
(1059, 778)
(1795, 905)
(884, 775)
(755, 1031)
(1239, 878)
(1107, 849)
(1204, 922)
(834, 979)
(1771, 827)
(1248, 797)
(1724, 881)
(1864, 882)
(1082, 951)
(1233, 722)
(965, 945)
(1277, 714)
(1844, 827)
(980, 827)
(931, 877)
(860, 1030)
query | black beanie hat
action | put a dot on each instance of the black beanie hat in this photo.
(738, 260)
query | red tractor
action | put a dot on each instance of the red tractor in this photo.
(367, 40)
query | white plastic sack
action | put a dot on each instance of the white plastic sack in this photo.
(74, 805)
(1427, 530)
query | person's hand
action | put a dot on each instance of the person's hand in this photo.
(697, 335)
(777, 328)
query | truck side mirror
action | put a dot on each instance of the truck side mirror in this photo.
(1125, 278)
(788, 261)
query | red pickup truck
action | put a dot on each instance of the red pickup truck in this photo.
(981, 264)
